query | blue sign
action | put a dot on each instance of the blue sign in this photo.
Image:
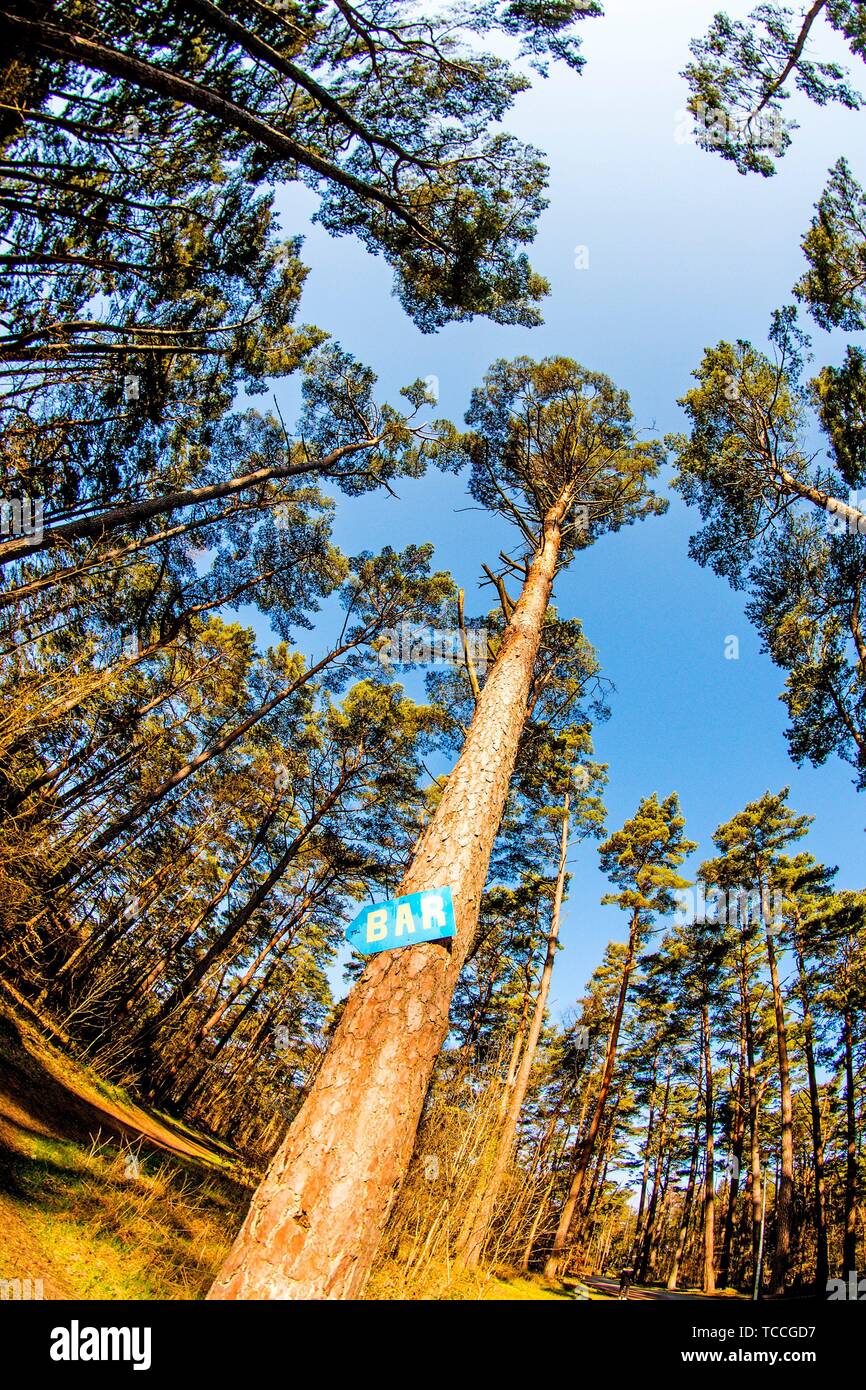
(426, 916)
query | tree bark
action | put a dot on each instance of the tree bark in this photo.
(849, 1240)
(470, 1242)
(822, 1256)
(755, 1174)
(316, 1221)
(673, 1277)
(555, 1257)
(738, 1137)
(785, 1190)
(709, 1175)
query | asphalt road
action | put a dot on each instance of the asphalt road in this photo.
(611, 1288)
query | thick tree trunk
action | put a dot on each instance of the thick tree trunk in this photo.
(470, 1242)
(316, 1221)
(555, 1257)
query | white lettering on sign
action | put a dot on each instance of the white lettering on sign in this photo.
(432, 908)
(427, 915)
(404, 919)
(377, 924)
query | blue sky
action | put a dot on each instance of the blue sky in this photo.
(682, 251)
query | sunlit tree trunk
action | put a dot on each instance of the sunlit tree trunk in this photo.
(738, 1136)
(316, 1221)
(709, 1174)
(822, 1257)
(648, 1236)
(850, 1234)
(554, 1260)
(674, 1275)
(785, 1189)
(470, 1242)
(755, 1175)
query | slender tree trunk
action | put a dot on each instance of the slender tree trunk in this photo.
(850, 1235)
(586, 1145)
(133, 513)
(674, 1275)
(822, 1256)
(95, 849)
(470, 1242)
(648, 1234)
(316, 1221)
(536, 1222)
(599, 1175)
(785, 1189)
(755, 1174)
(187, 986)
(644, 1178)
(709, 1175)
(738, 1136)
(659, 1224)
(142, 987)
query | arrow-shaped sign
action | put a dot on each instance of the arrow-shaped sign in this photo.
(425, 916)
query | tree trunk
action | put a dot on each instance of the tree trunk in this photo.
(551, 1268)
(470, 1242)
(186, 987)
(647, 1238)
(755, 1174)
(644, 1178)
(850, 1235)
(674, 1275)
(709, 1175)
(785, 1190)
(738, 1137)
(822, 1257)
(316, 1221)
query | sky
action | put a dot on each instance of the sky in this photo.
(682, 251)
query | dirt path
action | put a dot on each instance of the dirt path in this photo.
(55, 1117)
(43, 1094)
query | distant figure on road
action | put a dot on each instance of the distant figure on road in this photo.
(625, 1279)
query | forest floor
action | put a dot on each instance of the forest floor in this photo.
(100, 1198)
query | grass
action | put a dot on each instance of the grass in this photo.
(443, 1281)
(104, 1212)
(121, 1225)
